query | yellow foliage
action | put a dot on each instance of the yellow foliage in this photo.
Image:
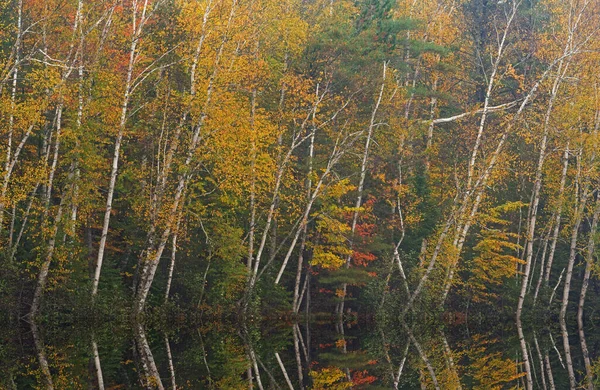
(330, 378)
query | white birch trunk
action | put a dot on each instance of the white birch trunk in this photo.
(137, 28)
(361, 182)
(557, 221)
(150, 264)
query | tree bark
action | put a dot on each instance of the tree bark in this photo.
(361, 183)
(137, 28)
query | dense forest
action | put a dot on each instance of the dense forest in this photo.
(238, 158)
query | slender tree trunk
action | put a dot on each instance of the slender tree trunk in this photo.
(539, 353)
(150, 376)
(284, 371)
(152, 252)
(97, 365)
(561, 191)
(549, 372)
(253, 182)
(45, 268)
(542, 265)
(361, 183)
(137, 28)
(311, 151)
(173, 256)
(423, 357)
(170, 361)
(579, 212)
(568, 358)
(526, 361)
(296, 333)
(41, 356)
(11, 120)
(589, 260)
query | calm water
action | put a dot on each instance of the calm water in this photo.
(357, 354)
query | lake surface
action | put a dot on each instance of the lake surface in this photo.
(322, 354)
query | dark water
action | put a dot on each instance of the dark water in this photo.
(358, 354)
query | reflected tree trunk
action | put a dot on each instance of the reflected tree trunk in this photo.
(150, 376)
(273, 383)
(295, 331)
(284, 371)
(549, 371)
(450, 363)
(525, 353)
(589, 375)
(568, 358)
(97, 365)
(422, 356)
(394, 376)
(539, 353)
(41, 356)
(170, 360)
(254, 362)
(589, 261)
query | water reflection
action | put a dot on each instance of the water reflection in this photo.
(326, 354)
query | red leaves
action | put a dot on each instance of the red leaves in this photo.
(362, 259)
(362, 378)
(365, 229)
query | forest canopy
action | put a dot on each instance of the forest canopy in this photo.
(235, 154)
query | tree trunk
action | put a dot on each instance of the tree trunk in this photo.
(137, 28)
(556, 232)
(589, 260)
(45, 268)
(154, 251)
(361, 183)
(8, 163)
(97, 365)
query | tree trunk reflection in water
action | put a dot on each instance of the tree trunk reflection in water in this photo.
(541, 359)
(296, 331)
(150, 377)
(589, 375)
(525, 355)
(423, 356)
(97, 365)
(589, 258)
(170, 358)
(41, 355)
(395, 377)
(284, 371)
(339, 326)
(253, 366)
(209, 375)
(450, 361)
(549, 371)
(273, 383)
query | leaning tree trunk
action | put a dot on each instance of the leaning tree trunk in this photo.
(138, 25)
(579, 212)
(589, 260)
(361, 183)
(537, 185)
(154, 252)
